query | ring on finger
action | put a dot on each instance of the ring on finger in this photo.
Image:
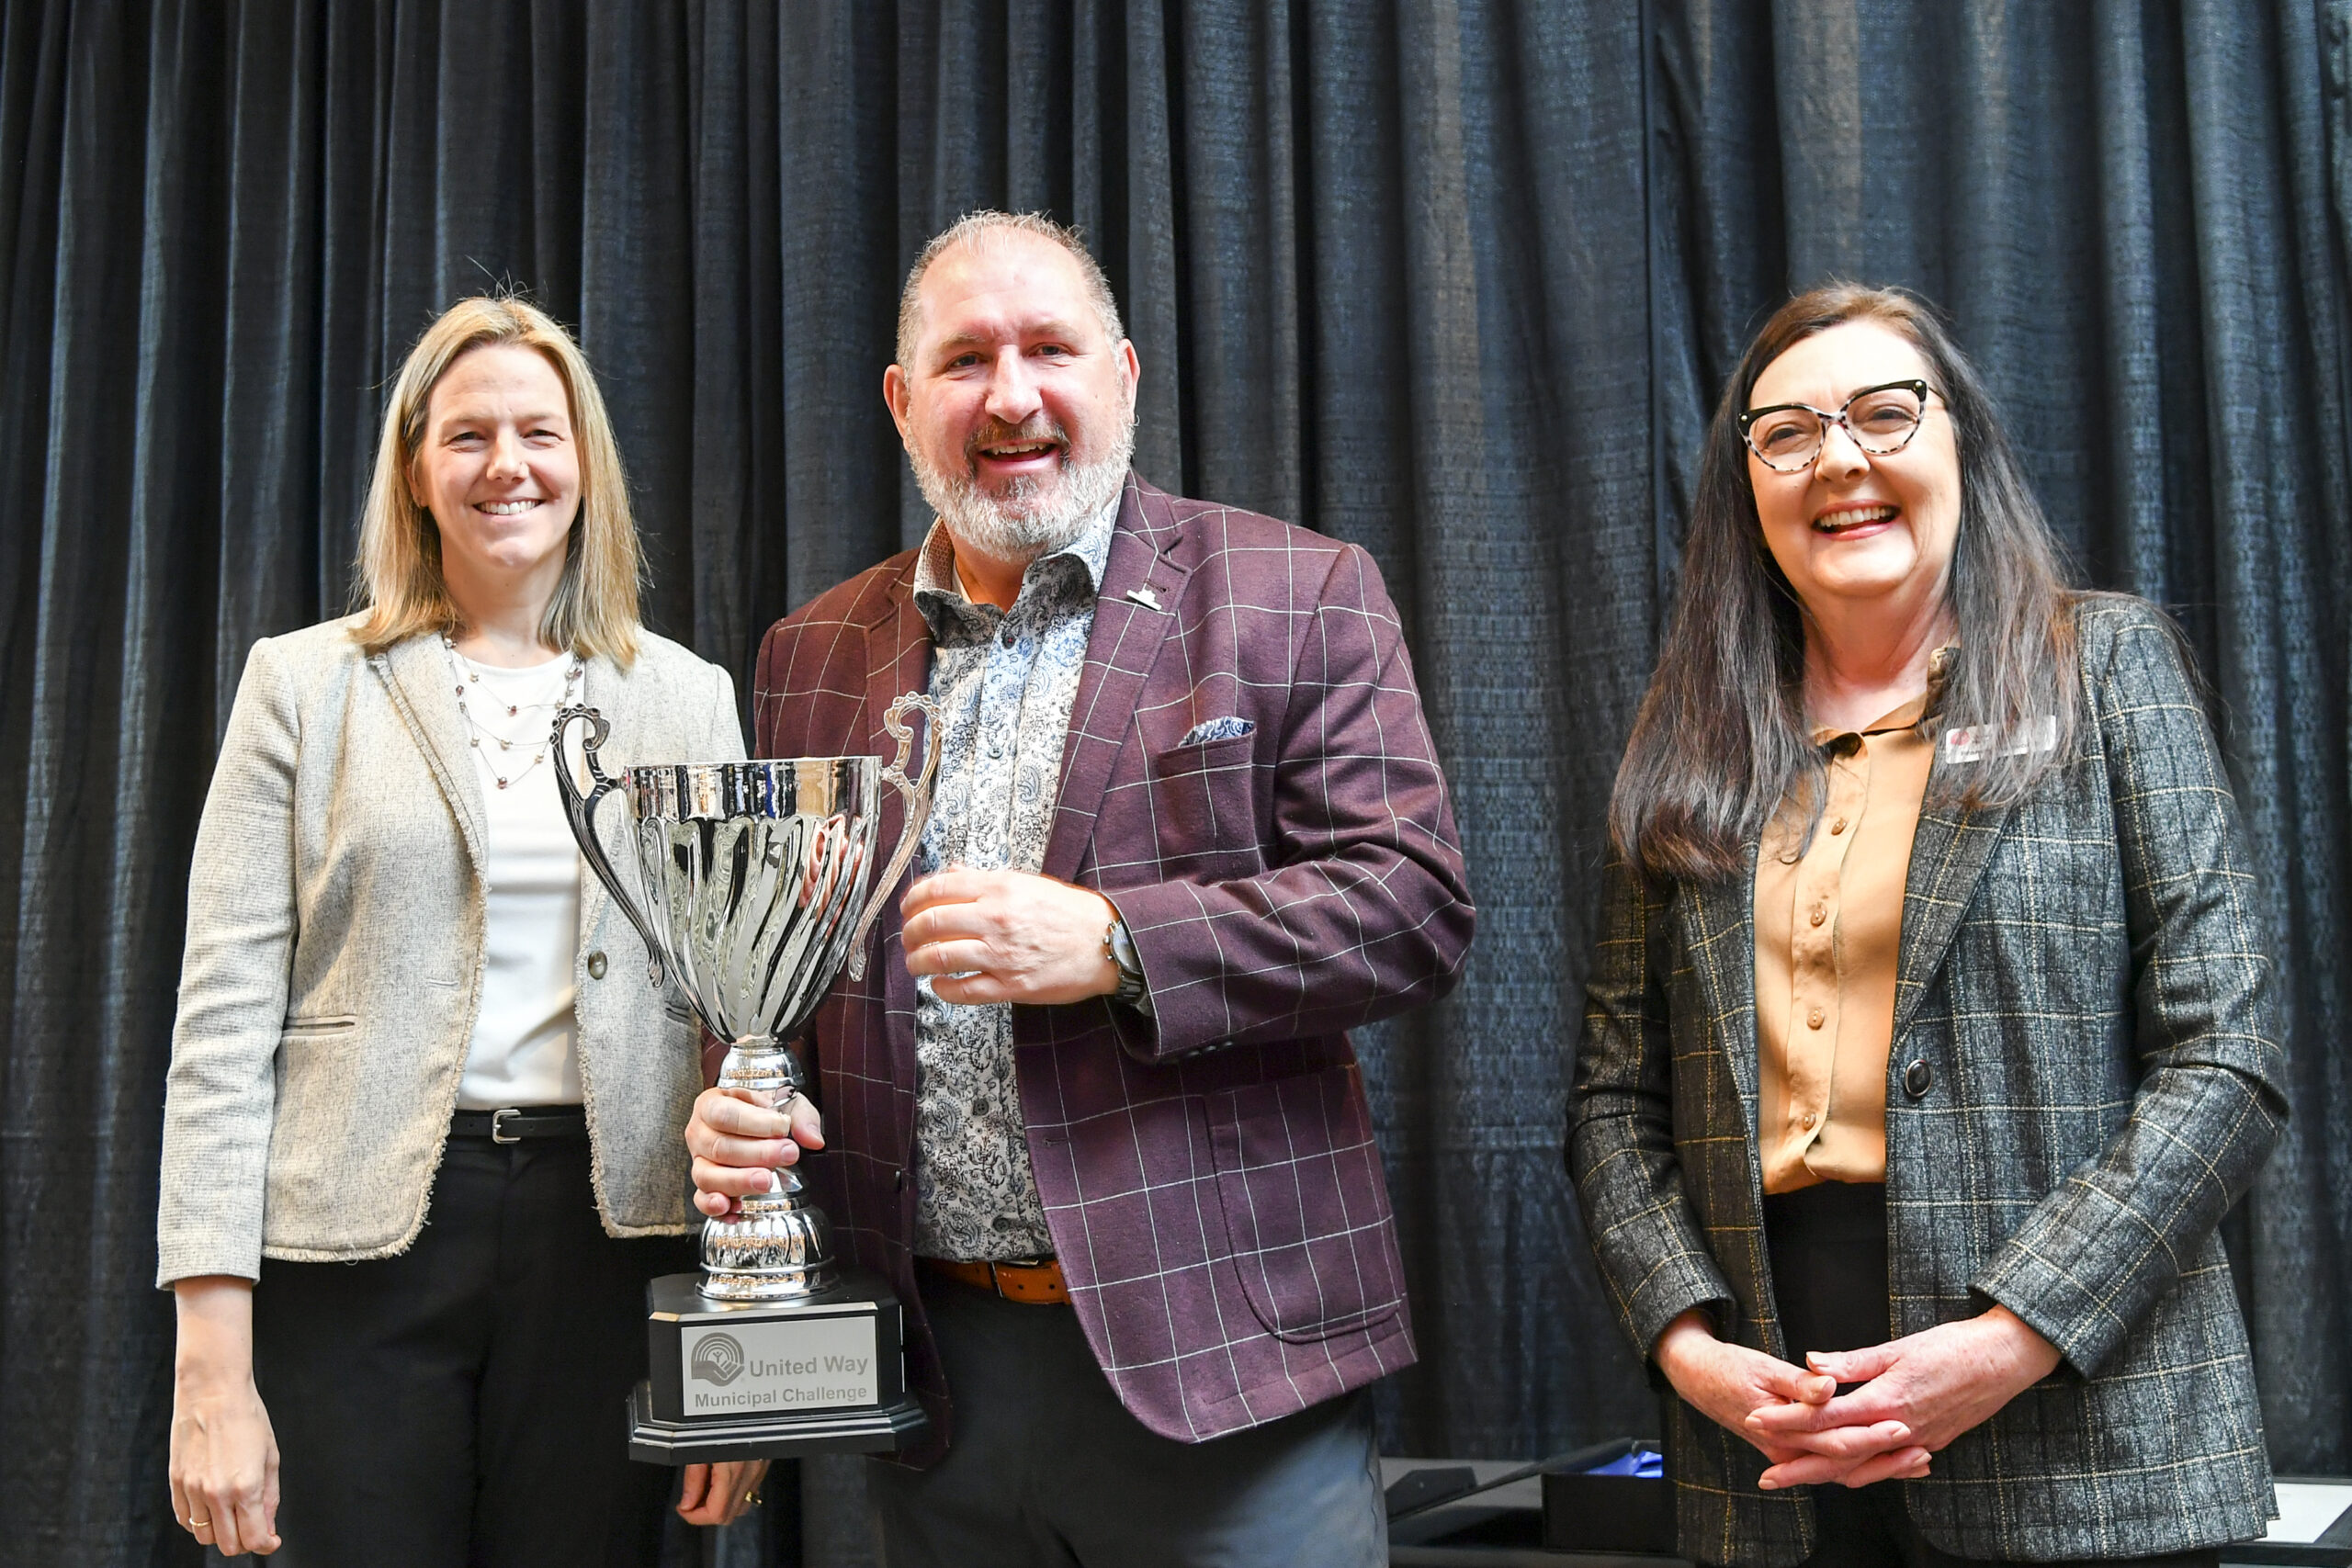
(196, 1523)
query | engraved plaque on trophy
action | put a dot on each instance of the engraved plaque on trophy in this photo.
(754, 880)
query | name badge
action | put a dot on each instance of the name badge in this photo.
(1975, 742)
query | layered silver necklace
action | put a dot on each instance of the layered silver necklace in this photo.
(466, 675)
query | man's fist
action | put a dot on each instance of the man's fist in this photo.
(736, 1140)
(1009, 936)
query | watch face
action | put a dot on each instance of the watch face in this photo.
(1119, 943)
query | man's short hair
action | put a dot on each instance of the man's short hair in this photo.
(978, 228)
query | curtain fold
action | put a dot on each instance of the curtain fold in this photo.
(1458, 280)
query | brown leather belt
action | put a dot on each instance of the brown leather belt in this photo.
(1031, 1284)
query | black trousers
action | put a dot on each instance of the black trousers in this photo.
(462, 1403)
(1828, 1245)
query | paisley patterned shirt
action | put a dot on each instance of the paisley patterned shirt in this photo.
(1004, 681)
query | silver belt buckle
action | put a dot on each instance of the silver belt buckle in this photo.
(498, 1125)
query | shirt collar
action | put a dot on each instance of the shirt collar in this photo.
(939, 593)
(1911, 715)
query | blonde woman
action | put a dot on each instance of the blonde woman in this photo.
(421, 1147)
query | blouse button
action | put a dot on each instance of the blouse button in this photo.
(1820, 913)
(595, 966)
(1816, 1018)
(1838, 825)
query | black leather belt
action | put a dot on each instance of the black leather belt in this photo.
(517, 1123)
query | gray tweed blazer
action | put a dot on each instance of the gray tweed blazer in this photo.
(2085, 1074)
(335, 960)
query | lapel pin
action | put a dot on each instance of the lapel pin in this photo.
(1145, 597)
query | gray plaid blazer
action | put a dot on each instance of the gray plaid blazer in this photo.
(1208, 1173)
(2085, 1074)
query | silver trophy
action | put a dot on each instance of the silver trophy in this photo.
(754, 880)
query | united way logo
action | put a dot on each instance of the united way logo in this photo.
(718, 1358)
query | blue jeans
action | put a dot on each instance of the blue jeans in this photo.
(1047, 1469)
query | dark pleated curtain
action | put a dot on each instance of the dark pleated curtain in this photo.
(1456, 280)
(2137, 216)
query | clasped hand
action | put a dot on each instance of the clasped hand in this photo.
(1917, 1394)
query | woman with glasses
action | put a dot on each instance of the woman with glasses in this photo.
(1928, 1031)
(421, 1144)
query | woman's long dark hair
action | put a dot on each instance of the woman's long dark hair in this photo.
(1721, 740)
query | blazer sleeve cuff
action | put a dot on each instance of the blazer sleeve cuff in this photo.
(1647, 1316)
(2074, 1314)
(1657, 1265)
(1182, 1017)
(195, 1256)
(208, 1218)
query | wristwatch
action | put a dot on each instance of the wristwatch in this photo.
(1119, 947)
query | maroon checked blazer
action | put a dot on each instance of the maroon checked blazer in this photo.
(1209, 1174)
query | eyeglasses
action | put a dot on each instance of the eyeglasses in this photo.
(1787, 437)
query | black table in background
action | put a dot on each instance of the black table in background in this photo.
(1504, 1528)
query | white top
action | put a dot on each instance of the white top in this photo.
(524, 1050)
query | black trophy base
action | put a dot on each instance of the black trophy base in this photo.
(821, 1373)
(871, 1430)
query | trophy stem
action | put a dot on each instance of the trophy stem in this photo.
(760, 1062)
(779, 1246)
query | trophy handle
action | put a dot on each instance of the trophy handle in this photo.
(581, 812)
(917, 796)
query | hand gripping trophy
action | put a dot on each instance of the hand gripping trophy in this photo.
(754, 878)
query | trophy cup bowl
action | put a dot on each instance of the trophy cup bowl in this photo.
(752, 893)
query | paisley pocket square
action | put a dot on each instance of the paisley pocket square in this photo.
(1210, 729)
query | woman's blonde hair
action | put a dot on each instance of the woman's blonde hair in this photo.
(398, 574)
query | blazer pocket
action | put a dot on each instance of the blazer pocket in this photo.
(322, 1027)
(1204, 808)
(1305, 1205)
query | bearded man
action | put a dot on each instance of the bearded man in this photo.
(1094, 1111)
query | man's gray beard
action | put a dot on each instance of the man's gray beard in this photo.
(1015, 526)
